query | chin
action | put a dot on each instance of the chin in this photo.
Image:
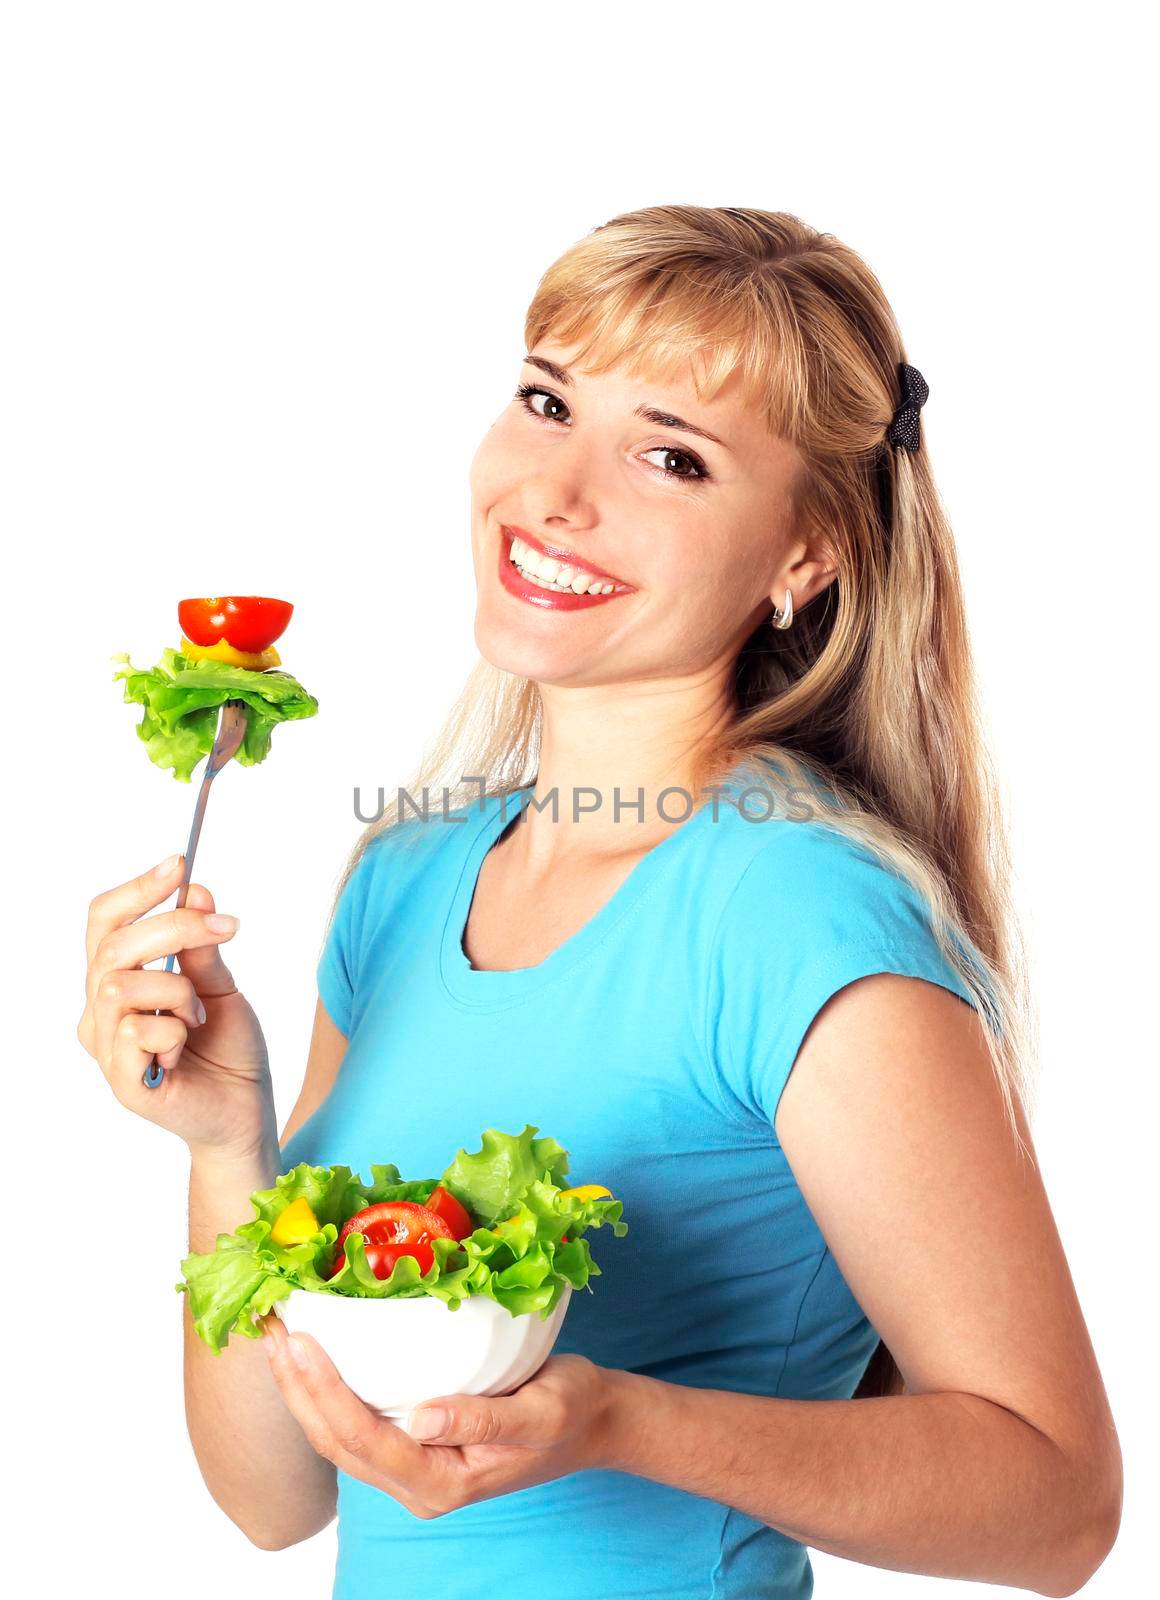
(511, 649)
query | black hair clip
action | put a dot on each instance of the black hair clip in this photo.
(903, 430)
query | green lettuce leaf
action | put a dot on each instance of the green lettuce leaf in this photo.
(489, 1182)
(512, 1188)
(182, 698)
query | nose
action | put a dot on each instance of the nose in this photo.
(562, 491)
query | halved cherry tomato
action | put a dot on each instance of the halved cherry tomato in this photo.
(250, 622)
(444, 1204)
(381, 1258)
(391, 1229)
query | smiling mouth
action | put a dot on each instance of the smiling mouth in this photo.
(556, 574)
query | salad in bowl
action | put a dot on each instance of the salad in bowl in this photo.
(372, 1270)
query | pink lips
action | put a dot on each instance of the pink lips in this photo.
(548, 599)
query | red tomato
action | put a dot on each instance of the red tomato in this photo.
(444, 1204)
(381, 1258)
(392, 1229)
(249, 622)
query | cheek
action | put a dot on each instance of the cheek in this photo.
(701, 615)
(489, 483)
(496, 465)
(480, 474)
(704, 595)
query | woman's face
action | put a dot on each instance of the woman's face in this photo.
(692, 533)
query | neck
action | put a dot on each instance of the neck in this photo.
(632, 740)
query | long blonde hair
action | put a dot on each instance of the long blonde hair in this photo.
(869, 699)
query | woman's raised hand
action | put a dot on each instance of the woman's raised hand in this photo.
(216, 1094)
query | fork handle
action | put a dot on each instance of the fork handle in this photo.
(154, 1075)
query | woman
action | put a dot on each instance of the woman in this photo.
(729, 916)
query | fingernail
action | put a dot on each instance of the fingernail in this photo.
(164, 868)
(267, 1346)
(200, 1012)
(298, 1352)
(218, 922)
(429, 1424)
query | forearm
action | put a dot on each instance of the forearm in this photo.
(945, 1484)
(253, 1455)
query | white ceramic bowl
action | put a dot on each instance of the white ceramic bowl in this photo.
(395, 1354)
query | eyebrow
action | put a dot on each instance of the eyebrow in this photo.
(662, 419)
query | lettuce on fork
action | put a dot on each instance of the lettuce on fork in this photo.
(514, 1182)
(182, 697)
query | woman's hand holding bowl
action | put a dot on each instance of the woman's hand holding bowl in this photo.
(457, 1449)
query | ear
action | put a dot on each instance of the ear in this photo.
(811, 568)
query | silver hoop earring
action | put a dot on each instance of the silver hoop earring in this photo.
(782, 619)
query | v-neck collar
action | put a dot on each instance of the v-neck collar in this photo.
(470, 987)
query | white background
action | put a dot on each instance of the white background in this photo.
(266, 269)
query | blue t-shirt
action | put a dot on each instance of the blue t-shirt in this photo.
(654, 1044)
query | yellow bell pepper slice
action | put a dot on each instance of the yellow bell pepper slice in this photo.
(222, 650)
(586, 1191)
(296, 1225)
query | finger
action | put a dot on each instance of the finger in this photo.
(537, 1414)
(203, 964)
(137, 989)
(139, 942)
(138, 1039)
(94, 1038)
(297, 1398)
(150, 989)
(365, 1441)
(271, 1326)
(129, 900)
(467, 1420)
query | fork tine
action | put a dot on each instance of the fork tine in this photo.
(231, 732)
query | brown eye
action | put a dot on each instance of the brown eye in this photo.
(525, 393)
(678, 455)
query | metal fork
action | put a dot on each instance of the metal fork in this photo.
(230, 733)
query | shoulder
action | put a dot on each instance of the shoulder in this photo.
(812, 910)
(775, 846)
(397, 854)
(820, 881)
(813, 906)
(386, 889)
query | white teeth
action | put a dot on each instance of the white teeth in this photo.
(549, 573)
(552, 588)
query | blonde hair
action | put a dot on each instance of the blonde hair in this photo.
(869, 699)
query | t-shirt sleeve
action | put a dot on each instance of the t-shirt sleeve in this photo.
(812, 911)
(338, 966)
